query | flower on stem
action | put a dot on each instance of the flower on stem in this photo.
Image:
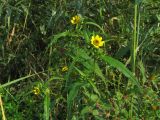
(97, 41)
(64, 69)
(75, 19)
(36, 90)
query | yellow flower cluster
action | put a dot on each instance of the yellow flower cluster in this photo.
(36, 90)
(96, 41)
(64, 69)
(75, 19)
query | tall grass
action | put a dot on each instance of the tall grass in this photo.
(135, 39)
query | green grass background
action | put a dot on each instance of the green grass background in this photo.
(119, 81)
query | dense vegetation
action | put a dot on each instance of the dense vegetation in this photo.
(80, 59)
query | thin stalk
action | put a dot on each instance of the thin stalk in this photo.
(2, 109)
(138, 26)
(47, 104)
(134, 40)
(134, 47)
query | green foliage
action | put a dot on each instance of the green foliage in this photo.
(117, 80)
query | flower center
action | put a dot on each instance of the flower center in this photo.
(96, 42)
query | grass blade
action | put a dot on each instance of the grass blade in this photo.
(2, 109)
(121, 67)
(15, 81)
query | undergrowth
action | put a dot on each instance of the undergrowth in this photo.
(79, 60)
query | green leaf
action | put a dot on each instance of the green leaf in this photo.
(56, 37)
(121, 67)
(86, 36)
(94, 88)
(55, 78)
(90, 64)
(98, 71)
(80, 72)
(122, 52)
(71, 96)
(95, 112)
(142, 69)
(94, 97)
(85, 110)
(92, 23)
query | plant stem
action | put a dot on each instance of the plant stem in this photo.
(134, 47)
(2, 109)
(134, 40)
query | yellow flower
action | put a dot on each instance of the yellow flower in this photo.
(64, 69)
(75, 19)
(97, 41)
(36, 90)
